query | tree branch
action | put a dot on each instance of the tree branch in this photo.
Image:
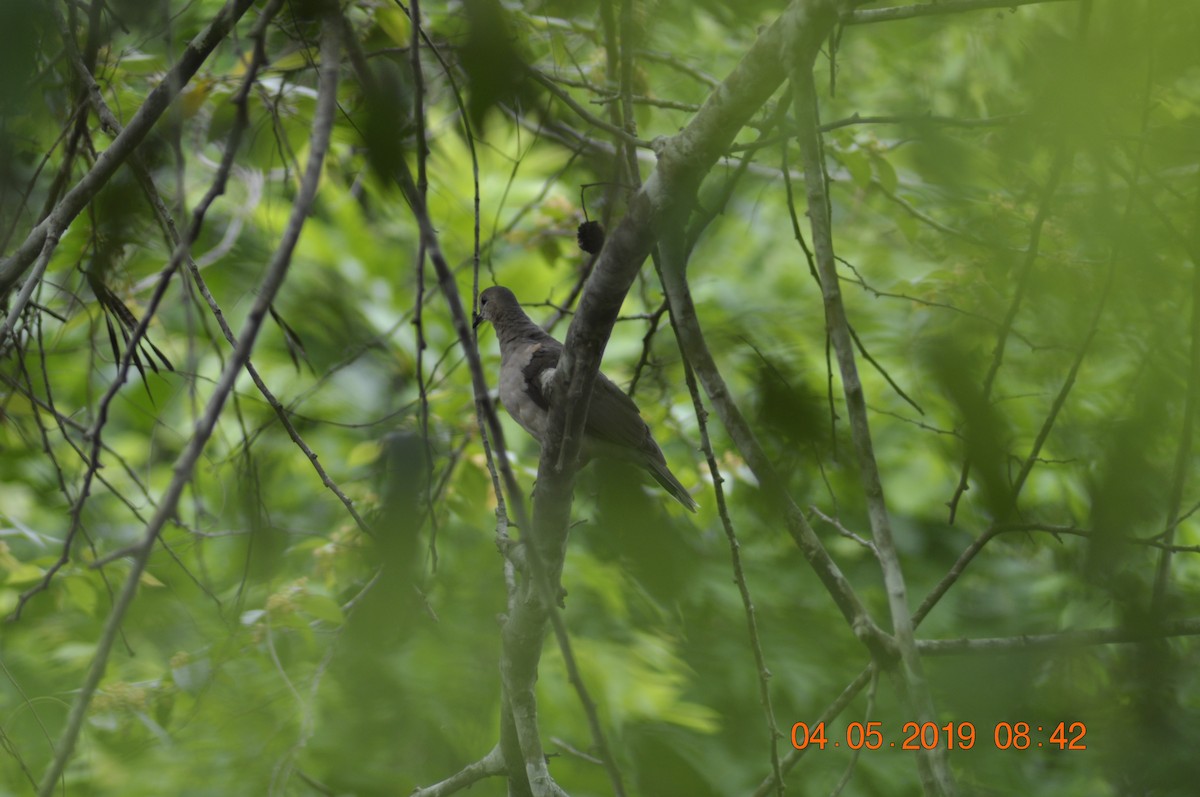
(664, 200)
(185, 464)
(1062, 160)
(1063, 640)
(935, 772)
(157, 101)
(486, 767)
(929, 9)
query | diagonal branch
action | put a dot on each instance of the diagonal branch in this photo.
(488, 766)
(663, 201)
(186, 463)
(696, 352)
(1062, 160)
(157, 101)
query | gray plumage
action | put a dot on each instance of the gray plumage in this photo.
(528, 360)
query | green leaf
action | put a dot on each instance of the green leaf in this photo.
(321, 607)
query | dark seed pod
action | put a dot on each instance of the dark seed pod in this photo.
(590, 236)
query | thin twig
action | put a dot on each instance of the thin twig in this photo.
(918, 119)
(1058, 531)
(595, 121)
(418, 110)
(852, 764)
(827, 716)
(673, 245)
(1062, 159)
(34, 279)
(1061, 640)
(157, 101)
(845, 532)
(929, 9)
(184, 466)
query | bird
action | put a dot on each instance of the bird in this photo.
(528, 360)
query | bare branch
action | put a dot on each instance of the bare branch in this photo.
(22, 300)
(929, 9)
(936, 774)
(1063, 640)
(157, 101)
(546, 82)
(845, 532)
(185, 464)
(697, 354)
(830, 713)
(735, 554)
(918, 119)
(486, 767)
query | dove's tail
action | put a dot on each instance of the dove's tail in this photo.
(662, 474)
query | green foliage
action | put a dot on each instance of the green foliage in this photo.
(275, 648)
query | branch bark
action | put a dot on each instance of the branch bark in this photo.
(663, 201)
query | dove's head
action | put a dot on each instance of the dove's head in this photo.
(497, 303)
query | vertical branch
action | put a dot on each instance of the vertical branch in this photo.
(186, 463)
(935, 771)
(414, 18)
(419, 97)
(524, 628)
(621, 174)
(629, 123)
(364, 74)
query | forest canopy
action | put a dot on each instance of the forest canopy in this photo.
(907, 294)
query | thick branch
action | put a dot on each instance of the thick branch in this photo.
(665, 199)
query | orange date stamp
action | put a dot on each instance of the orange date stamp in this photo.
(951, 735)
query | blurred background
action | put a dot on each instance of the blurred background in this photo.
(1014, 195)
